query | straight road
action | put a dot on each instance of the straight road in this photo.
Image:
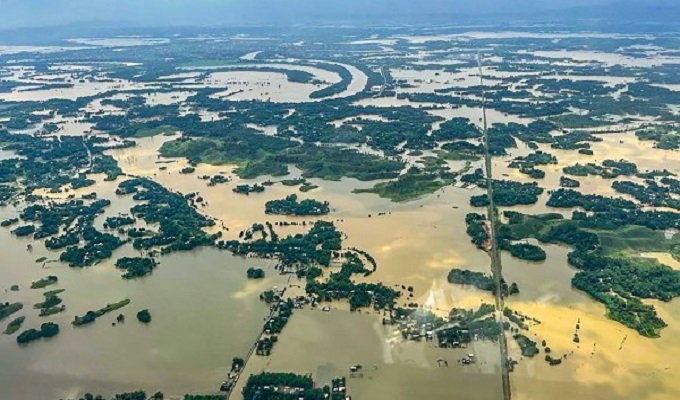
(496, 267)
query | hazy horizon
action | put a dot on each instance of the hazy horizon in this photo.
(38, 13)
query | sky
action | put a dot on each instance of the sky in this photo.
(23, 13)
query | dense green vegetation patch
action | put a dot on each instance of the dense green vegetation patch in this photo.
(527, 346)
(411, 185)
(616, 279)
(259, 155)
(609, 169)
(144, 316)
(508, 194)
(666, 138)
(7, 309)
(301, 250)
(52, 163)
(136, 267)
(44, 282)
(91, 316)
(47, 330)
(481, 281)
(270, 385)
(291, 206)
(341, 286)
(14, 325)
(180, 226)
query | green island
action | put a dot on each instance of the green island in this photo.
(666, 138)
(313, 248)
(255, 273)
(47, 330)
(340, 286)
(118, 221)
(609, 169)
(567, 182)
(663, 193)
(159, 130)
(52, 303)
(248, 189)
(291, 206)
(458, 330)
(14, 325)
(508, 194)
(7, 309)
(259, 155)
(44, 282)
(136, 267)
(524, 251)
(413, 184)
(91, 316)
(527, 164)
(180, 226)
(528, 347)
(144, 316)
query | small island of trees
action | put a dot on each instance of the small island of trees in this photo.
(255, 273)
(291, 206)
(47, 330)
(144, 316)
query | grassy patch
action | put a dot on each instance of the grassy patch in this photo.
(456, 156)
(8, 309)
(257, 155)
(409, 186)
(633, 239)
(14, 326)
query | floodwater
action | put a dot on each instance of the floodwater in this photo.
(205, 311)
(479, 35)
(327, 344)
(238, 85)
(417, 243)
(79, 89)
(275, 86)
(427, 81)
(608, 58)
(128, 41)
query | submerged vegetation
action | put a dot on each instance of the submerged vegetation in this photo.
(618, 281)
(285, 386)
(413, 132)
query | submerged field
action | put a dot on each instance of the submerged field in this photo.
(128, 174)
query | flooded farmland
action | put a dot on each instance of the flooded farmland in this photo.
(206, 165)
